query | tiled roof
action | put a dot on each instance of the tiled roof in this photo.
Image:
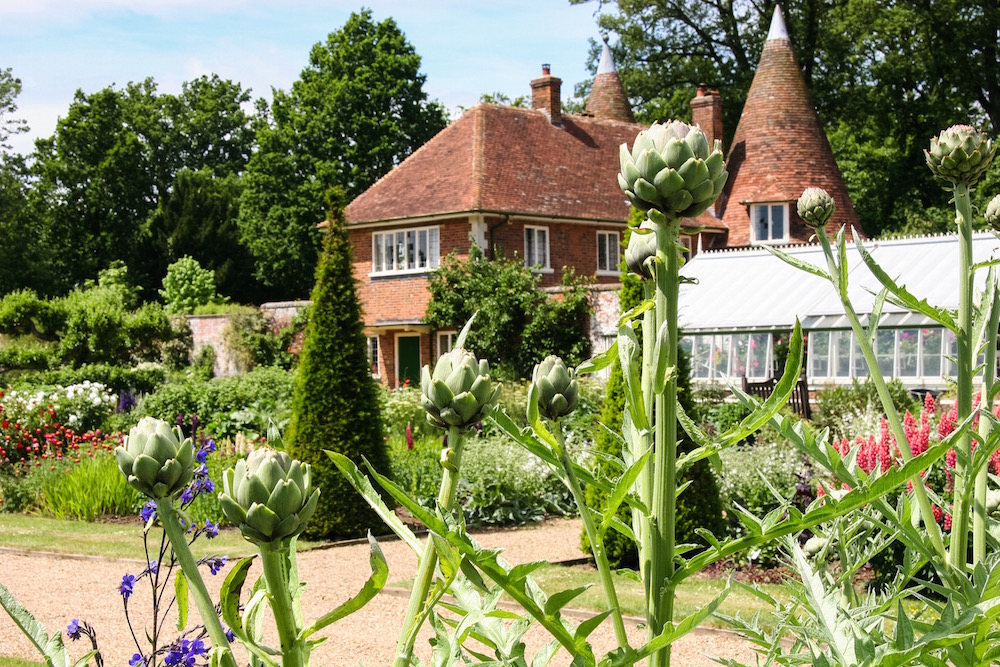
(780, 148)
(509, 160)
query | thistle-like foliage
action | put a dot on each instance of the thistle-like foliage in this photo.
(269, 496)
(815, 207)
(459, 393)
(960, 154)
(673, 169)
(156, 460)
(558, 390)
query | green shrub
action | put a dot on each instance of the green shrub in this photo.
(22, 488)
(401, 407)
(839, 408)
(744, 468)
(187, 285)
(251, 341)
(418, 470)
(144, 378)
(518, 324)
(91, 488)
(336, 401)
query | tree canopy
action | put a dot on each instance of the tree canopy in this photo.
(357, 110)
(885, 77)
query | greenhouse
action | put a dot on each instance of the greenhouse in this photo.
(739, 306)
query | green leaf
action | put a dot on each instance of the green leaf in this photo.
(181, 593)
(230, 594)
(363, 486)
(375, 583)
(599, 361)
(798, 263)
(622, 488)
(628, 353)
(588, 626)
(876, 315)
(901, 297)
(85, 659)
(559, 600)
(460, 341)
(32, 629)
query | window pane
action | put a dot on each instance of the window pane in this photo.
(908, 347)
(885, 350)
(529, 247)
(720, 355)
(951, 353)
(860, 367)
(777, 222)
(422, 249)
(376, 253)
(701, 349)
(434, 247)
(612, 251)
(741, 345)
(400, 251)
(602, 252)
(387, 249)
(841, 342)
(757, 366)
(543, 247)
(931, 352)
(411, 249)
(819, 354)
(759, 214)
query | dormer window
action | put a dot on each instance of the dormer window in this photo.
(769, 223)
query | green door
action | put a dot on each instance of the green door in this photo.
(408, 360)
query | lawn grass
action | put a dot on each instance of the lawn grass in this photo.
(111, 540)
(8, 661)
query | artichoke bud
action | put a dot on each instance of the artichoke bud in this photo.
(960, 154)
(157, 461)
(992, 214)
(814, 545)
(557, 388)
(815, 207)
(269, 496)
(459, 392)
(672, 168)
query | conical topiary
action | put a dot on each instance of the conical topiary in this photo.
(336, 403)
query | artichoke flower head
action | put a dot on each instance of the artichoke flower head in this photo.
(459, 392)
(641, 250)
(960, 154)
(992, 214)
(815, 207)
(557, 388)
(269, 496)
(672, 168)
(156, 460)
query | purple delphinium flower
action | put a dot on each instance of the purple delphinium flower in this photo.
(211, 446)
(230, 635)
(187, 496)
(148, 511)
(73, 629)
(215, 564)
(128, 581)
(201, 455)
(185, 652)
(137, 661)
(211, 529)
(154, 566)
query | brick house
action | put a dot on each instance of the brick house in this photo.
(532, 183)
(541, 185)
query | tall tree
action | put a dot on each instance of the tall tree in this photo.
(885, 77)
(10, 88)
(336, 405)
(357, 110)
(113, 162)
(16, 242)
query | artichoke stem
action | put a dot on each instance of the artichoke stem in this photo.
(640, 522)
(274, 556)
(206, 608)
(960, 505)
(660, 604)
(428, 560)
(596, 544)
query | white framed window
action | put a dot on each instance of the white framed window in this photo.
(608, 253)
(373, 357)
(445, 341)
(416, 250)
(536, 247)
(769, 223)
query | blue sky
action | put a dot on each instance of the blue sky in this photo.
(468, 47)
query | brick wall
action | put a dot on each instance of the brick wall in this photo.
(569, 245)
(400, 297)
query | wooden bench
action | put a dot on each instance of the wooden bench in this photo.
(799, 401)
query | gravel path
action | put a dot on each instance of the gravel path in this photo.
(58, 588)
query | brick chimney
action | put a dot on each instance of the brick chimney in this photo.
(545, 95)
(706, 113)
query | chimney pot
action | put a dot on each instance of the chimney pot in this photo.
(546, 69)
(706, 112)
(545, 92)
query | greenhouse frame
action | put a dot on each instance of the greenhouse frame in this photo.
(737, 306)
